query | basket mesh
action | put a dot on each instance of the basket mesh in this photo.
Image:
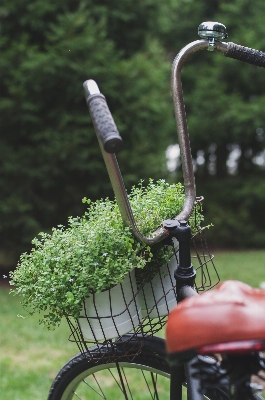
(143, 305)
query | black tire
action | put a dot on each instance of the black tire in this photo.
(90, 379)
(100, 379)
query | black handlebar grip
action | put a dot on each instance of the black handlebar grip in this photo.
(104, 123)
(245, 54)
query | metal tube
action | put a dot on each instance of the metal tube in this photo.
(182, 128)
(123, 201)
(185, 292)
(112, 166)
(91, 88)
(222, 47)
(181, 121)
(176, 380)
(193, 382)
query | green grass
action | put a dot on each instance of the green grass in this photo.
(247, 266)
(31, 356)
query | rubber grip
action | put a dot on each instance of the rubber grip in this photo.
(104, 123)
(245, 54)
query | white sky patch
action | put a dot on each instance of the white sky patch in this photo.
(232, 160)
(174, 161)
(200, 160)
(259, 159)
(173, 157)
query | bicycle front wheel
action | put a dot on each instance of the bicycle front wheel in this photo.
(146, 377)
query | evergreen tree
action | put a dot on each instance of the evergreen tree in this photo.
(50, 157)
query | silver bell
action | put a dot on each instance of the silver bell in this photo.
(212, 30)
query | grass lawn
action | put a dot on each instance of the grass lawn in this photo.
(31, 356)
(247, 266)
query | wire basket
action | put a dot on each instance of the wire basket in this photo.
(131, 306)
(117, 321)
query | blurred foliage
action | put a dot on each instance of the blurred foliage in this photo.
(49, 155)
(225, 102)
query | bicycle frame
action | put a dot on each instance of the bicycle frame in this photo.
(179, 228)
(184, 287)
(186, 274)
(212, 34)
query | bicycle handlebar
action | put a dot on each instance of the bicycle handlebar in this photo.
(110, 140)
(91, 91)
(245, 54)
(102, 119)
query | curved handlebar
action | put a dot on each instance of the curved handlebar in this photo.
(91, 89)
(181, 121)
(104, 118)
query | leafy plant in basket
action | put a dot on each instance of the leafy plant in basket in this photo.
(94, 253)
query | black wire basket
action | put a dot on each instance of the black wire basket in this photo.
(117, 321)
(140, 309)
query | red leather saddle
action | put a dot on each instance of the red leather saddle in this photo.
(233, 312)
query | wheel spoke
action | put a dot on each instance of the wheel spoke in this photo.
(122, 381)
(116, 380)
(147, 384)
(98, 385)
(77, 396)
(154, 380)
(127, 383)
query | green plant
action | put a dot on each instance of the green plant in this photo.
(94, 252)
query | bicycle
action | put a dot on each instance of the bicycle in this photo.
(141, 352)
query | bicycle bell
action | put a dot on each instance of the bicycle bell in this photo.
(213, 32)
